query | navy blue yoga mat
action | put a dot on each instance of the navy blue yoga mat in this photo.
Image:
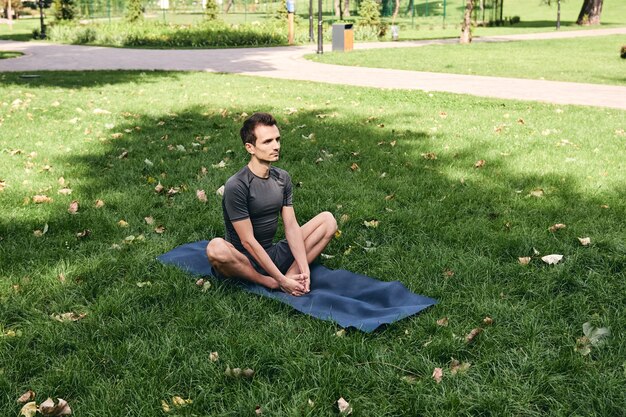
(350, 299)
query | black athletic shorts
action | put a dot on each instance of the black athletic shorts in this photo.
(281, 256)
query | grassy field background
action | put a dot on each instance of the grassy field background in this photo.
(448, 229)
(589, 60)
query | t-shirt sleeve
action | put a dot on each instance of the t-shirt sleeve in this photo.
(236, 200)
(288, 191)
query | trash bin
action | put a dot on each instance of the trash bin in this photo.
(343, 37)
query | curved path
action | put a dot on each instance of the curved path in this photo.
(288, 63)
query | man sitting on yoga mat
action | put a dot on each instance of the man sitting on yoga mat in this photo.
(253, 198)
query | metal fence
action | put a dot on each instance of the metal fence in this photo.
(238, 11)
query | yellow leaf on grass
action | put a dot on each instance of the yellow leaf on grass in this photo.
(488, 321)
(480, 163)
(371, 224)
(99, 204)
(214, 356)
(442, 322)
(525, 260)
(585, 241)
(122, 223)
(160, 229)
(29, 409)
(149, 220)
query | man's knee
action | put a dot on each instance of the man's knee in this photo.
(329, 222)
(218, 252)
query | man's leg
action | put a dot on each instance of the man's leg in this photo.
(231, 263)
(317, 233)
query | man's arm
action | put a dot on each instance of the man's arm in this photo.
(293, 233)
(246, 236)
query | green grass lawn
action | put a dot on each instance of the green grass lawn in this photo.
(9, 54)
(447, 229)
(590, 60)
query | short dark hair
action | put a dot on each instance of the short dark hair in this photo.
(247, 130)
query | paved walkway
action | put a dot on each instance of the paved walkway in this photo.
(288, 63)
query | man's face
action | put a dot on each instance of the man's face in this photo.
(267, 146)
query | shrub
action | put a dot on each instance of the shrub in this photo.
(162, 35)
(134, 11)
(64, 10)
(211, 10)
(623, 52)
(369, 12)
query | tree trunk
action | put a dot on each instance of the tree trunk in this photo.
(466, 27)
(395, 11)
(337, 8)
(228, 6)
(346, 8)
(590, 13)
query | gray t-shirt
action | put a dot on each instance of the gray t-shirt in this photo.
(256, 198)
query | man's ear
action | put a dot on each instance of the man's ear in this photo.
(250, 148)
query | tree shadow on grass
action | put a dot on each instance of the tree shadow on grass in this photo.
(83, 79)
(446, 228)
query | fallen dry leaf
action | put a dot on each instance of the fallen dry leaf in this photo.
(201, 195)
(40, 199)
(165, 406)
(390, 197)
(160, 229)
(70, 316)
(488, 321)
(556, 227)
(371, 224)
(180, 402)
(429, 155)
(552, 259)
(437, 375)
(220, 191)
(214, 356)
(29, 409)
(83, 234)
(99, 204)
(443, 114)
(26, 397)
(65, 191)
(48, 408)
(101, 111)
(479, 164)
(123, 155)
(344, 406)
(537, 192)
(340, 333)
(524, 260)
(73, 208)
(448, 273)
(354, 166)
(173, 191)
(585, 241)
(471, 335)
(258, 411)
(122, 223)
(344, 218)
(159, 188)
(442, 322)
(337, 233)
(149, 220)
(221, 164)
(457, 367)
